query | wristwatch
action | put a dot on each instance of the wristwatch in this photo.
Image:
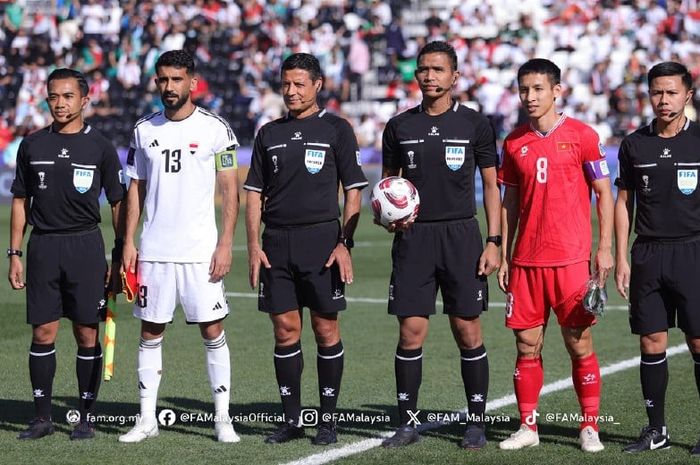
(11, 252)
(347, 242)
(498, 240)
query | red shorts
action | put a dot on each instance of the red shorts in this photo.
(532, 291)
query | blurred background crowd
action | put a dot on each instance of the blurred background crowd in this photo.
(367, 49)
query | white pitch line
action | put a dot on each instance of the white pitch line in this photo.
(505, 401)
(372, 300)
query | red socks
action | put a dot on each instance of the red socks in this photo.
(528, 379)
(585, 373)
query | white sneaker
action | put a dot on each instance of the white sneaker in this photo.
(225, 432)
(589, 440)
(524, 437)
(145, 427)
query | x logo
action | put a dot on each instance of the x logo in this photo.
(413, 417)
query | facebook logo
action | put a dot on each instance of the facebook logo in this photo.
(167, 417)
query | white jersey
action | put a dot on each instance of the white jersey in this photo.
(177, 161)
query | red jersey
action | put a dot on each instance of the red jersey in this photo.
(554, 227)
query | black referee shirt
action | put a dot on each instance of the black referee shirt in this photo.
(297, 164)
(439, 155)
(63, 174)
(663, 173)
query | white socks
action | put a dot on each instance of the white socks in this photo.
(150, 366)
(219, 369)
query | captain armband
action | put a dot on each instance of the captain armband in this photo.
(597, 169)
(226, 159)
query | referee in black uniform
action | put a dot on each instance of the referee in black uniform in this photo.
(297, 165)
(658, 172)
(61, 171)
(438, 146)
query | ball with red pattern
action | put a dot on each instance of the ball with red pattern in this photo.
(394, 199)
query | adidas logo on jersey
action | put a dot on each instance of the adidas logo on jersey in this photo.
(218, 306)
(153, 144)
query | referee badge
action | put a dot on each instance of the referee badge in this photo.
(82, 179)
(687, 181)
(313, 159)
(454, 157)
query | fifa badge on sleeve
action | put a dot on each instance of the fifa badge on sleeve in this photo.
(596, 297)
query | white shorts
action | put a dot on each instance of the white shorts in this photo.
(163, 285)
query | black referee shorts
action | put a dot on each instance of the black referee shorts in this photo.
(436, 255)
(664, 286)
(298, 277)
(65, 277)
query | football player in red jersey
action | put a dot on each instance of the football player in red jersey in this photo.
(549, 167)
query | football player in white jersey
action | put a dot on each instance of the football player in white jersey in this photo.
(177, 158)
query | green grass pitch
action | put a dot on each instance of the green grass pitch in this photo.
(369, 335)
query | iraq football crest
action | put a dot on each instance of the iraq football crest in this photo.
(313, 159)
(687, 181)
(82, 179)
(454, 157)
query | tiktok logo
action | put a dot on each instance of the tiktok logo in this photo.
(532, 418)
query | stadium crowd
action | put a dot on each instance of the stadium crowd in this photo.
(367, 49)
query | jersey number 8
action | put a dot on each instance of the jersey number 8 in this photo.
(542, 170)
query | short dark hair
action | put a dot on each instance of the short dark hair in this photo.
(303, 61)
(177, 59)
(671, 68)
(439, 46)
(67, 73)
(541, 66)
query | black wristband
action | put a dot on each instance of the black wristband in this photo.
(495, 239)
(11, 252)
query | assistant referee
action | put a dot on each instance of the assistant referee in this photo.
(658, 173)
(61, 171)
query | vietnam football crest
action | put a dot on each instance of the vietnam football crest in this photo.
(313, 159)
(687, 181)
(82, 179)
(454, 157)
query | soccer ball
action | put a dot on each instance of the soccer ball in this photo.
(394, 199)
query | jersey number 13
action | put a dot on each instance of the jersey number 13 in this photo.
(172, 160)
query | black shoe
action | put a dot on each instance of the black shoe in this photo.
(83, 430)
(325, 434)
(474, 437)
(651, 438)
(695, 450)
(403, 436)
(285, 433)
(38, 428)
